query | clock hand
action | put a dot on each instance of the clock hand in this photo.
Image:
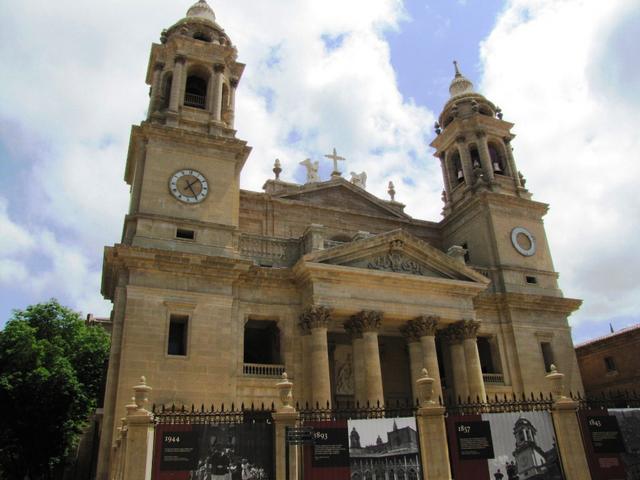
(190, 187)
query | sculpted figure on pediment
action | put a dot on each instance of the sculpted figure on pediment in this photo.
(396, 262)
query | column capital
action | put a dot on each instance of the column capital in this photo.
(409, 333)
(353, 326)
(469, 328)
(315, 316)
(218, 68)
(481, 134)
(180, 58)
(234, 82)
(425, 325)
(460, 139)
(158, 66)
(453, 334)
(370, 320)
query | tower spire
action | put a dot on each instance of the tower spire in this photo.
(455, 64)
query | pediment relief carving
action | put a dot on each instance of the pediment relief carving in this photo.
(395, 262)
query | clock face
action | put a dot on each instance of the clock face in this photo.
(523, 241)
(189, 186)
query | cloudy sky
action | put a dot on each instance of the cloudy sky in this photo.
(366, 76)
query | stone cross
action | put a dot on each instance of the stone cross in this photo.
(336, 158)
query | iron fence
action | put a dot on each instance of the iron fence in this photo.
(499, 404)
(608, 399)
(356, 411)
(222, 415)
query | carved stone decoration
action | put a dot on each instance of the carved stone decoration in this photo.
(315, 316)
(396, 262)
(353, 327)
(409, 333)
(453, 334)
(312, 170)
(425, 326)
(370, 320)
(344, 373)
(359, 179)
(469, 328)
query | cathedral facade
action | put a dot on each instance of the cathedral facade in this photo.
(217, 291)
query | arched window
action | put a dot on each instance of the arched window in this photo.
(497, 160)
(203, 37)
(457, 175)
(196, 92)
(475, 157)
(166, 90)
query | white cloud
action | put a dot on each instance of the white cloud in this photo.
(551, 65)
(14, 238)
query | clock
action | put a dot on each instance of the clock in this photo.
(189, 186)
(523, 241)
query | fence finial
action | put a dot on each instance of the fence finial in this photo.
(141, 393)
(285, 389)
(425, 388)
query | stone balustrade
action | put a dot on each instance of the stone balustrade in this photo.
(262, 370)
(493, 378)
(277, 252)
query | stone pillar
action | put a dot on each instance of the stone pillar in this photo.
(465, 159)
(177, 94)
(474, 369)
(285, 417)
(416, 359)
(448, 183)
(139, 442)
(513, 170)
(216, 96)
(354, 329)
(434, 450)
(371, 322)
(316, 320)
(485, 156)
(232, 101)
(307, 381)
(458, 362)
(567, 427)
(156, 86)
(425, 328)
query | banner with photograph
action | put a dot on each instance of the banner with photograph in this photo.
(241, 451)
(364, 449)
(612, 443)
(504, 446)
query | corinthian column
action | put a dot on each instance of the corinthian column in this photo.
(454, 336)
(156, 86)
(316, 320)
(354, 329)
(465, 159)
(415, 355)
(216, 96)
(425, 328)
(485, 156)
(371, 322)
(176, 83)
(469, 330)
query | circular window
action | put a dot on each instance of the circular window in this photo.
(523, 241)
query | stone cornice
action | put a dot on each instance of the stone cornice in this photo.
(124, 257)
(523, 301)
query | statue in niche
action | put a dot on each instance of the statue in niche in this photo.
(344, 381)
(312, 170)
(359, 179)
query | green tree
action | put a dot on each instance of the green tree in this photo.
(51, 372)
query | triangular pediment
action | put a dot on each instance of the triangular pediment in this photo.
(339, 193)
(397, 252)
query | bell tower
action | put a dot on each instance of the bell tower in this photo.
(487, 208)
(490, 213)
(184, 160)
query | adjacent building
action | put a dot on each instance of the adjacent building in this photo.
(217, 291)
(609, 364)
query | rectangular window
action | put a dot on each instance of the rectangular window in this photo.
(547, 355)
(178, 329)
(532, 280)
(185, 234)
(262, 342)
(610, 364)
(486, 357)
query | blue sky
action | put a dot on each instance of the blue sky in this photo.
(366, 76)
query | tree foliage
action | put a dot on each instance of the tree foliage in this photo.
(51, 372)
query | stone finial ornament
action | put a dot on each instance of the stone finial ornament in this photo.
(277, 168)
(312, 170)
(392, 191)
(201, 9)
(437, 128)
(460, 84)
(557, 383)
(285, 391)
(141, 392)
(425, 389)
(359, 179)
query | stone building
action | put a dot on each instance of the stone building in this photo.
(609, 364)
(217, 290)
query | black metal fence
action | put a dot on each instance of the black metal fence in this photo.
(401, 408)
